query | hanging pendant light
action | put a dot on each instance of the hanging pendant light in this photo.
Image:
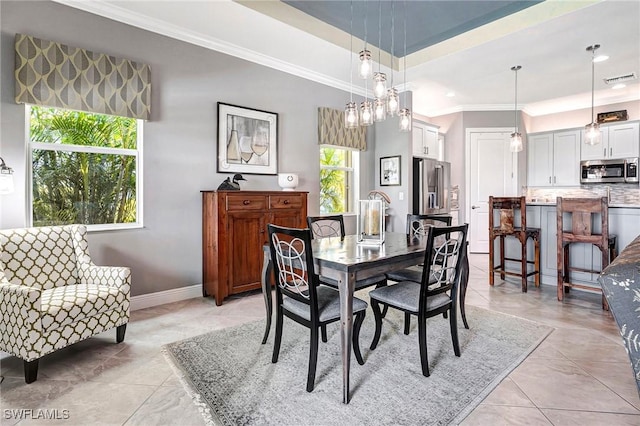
(405, 113)
(516, 137)
(366, 113)
(365, 55)
(351, 110)
(592, 130)
(393, 102)
(379, 110)
(380, 78)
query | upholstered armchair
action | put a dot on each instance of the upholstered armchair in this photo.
(52, 295)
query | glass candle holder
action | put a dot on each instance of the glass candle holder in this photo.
(371, 222)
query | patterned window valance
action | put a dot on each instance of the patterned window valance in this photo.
(331, 131)
(56, 75)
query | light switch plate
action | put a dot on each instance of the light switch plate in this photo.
(400, 195)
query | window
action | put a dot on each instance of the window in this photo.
(86, 168)
(338, 168)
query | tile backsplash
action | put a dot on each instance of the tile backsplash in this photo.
(620, 194)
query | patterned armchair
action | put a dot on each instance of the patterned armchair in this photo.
(52, 295)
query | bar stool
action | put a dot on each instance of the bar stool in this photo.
(507, 207)
(581, 211)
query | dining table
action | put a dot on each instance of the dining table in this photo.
(347, 260)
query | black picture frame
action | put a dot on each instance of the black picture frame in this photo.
(390, 171)
(247, 140)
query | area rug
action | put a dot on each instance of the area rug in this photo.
(230, 376)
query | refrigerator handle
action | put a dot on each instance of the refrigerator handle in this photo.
(438, 187)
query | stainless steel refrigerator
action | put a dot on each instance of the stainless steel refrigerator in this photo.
(431, 186)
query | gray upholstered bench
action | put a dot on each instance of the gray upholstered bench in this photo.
(620, 283)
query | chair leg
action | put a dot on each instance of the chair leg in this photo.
(491, 266)
(536, 260)
(323, 329)
(278, 338)
(502, 265)
(453, 322)
(407, 323)
(356, 336)
(31, 370)
(377, 314)
(464, 281)
(120, 330)
(313, 359)
(523, 263)
(422, 341)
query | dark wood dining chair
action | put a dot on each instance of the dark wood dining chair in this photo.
(436, 293)
(301, 297)
(418, 224)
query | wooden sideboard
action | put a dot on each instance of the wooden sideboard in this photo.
(234, 229)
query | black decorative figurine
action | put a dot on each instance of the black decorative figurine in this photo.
(228, 185)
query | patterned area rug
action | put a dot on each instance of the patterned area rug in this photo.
(231, 378)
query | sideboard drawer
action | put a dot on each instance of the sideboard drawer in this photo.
(246, 202)
(286, 201)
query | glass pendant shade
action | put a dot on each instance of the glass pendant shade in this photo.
(393, 102)
(351, 116)
(592, 134)
(380, 85)
(405, 120)
(365, 64)
(366, 113)
(515, 143)
(379, 110)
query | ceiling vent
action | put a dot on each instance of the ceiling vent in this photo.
(621, 78)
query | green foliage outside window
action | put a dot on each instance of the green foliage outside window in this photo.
(334, 180)
(71, 185)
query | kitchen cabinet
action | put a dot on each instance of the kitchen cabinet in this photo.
(234, 230)
(425, 140)
(618, 141)
(554, 158)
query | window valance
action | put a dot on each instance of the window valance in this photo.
(56, 75)
(331, 131)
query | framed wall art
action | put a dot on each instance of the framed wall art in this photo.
(390, 171)
(247, 140)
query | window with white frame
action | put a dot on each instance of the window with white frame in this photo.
(338, 170)
(86, 168)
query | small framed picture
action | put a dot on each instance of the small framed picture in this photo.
(390, 171)
(247, 140)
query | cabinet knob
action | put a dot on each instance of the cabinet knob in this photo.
(246, 202)
(285, 202)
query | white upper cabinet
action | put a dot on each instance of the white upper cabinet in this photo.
(618, 141)
(425, 140)
(553, 158)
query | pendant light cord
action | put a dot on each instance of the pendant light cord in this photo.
(392, 39)
(593, 65)
(515, 104)
(405, 54)
(351, 56)
(379, 35)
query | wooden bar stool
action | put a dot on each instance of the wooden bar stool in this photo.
(581, 211)
(507, 207)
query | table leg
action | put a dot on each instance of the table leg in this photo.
(267, 267)
(346, 286)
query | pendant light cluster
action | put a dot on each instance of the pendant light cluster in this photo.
(386, 102)
(515, 144)
(592, 130)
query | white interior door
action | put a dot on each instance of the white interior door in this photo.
(492, 170)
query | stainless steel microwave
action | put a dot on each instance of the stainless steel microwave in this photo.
(623, 170)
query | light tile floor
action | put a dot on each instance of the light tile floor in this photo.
(579, 375)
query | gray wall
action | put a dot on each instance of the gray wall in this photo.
(179, 140)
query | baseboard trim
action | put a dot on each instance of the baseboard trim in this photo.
(167, 296)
